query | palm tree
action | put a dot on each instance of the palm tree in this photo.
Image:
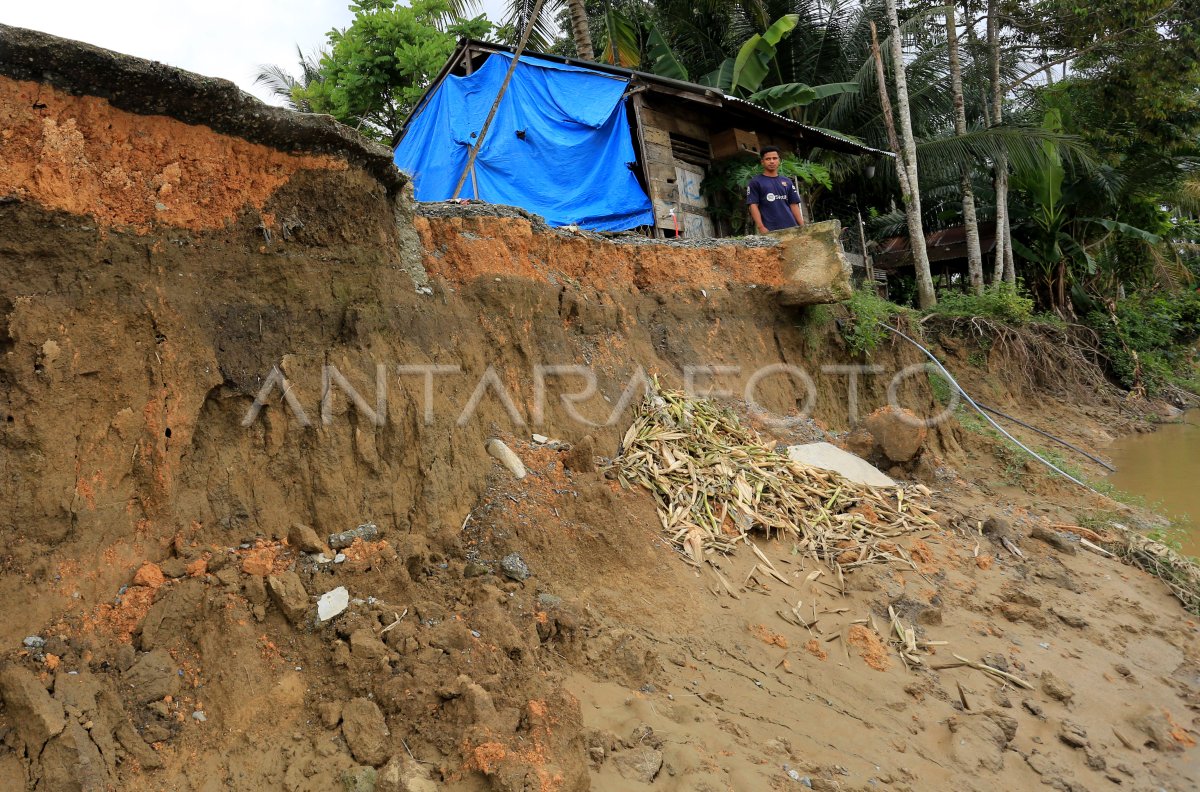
(906, 155)
(282, 85)
(542, 29)
(974, 252)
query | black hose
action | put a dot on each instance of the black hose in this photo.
(1058, 440)
(954, 383)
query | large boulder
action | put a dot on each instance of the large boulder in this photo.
(899, 433)
(815, 268)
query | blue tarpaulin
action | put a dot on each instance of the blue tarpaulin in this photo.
(559, 145)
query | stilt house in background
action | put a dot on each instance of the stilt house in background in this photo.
(947, 251)
(598, 146)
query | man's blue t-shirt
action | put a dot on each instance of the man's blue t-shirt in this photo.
(774, 195)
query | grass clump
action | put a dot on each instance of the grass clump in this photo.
(861, 331)
(813, 321)
(941, 388)
(1000, 301)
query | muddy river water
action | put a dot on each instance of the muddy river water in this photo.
(1164, 467)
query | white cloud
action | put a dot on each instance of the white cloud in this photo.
(216, 38)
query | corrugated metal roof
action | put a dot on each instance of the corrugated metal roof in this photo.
(809, 131)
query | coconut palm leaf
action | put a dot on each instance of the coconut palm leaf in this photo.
(541, 35)
(283, 85)
(943, 158)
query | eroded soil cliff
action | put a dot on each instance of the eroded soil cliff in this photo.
(185, 309)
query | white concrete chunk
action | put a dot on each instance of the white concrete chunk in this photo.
(332, 603)
(829, 457)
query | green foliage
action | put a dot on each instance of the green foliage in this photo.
(813, 321)
(620, 43)
(662, 60)
(376, 70)
(282, 85)
(756, 57)
(1161, 329)
(1000, 301)
(941, 388)
(861, 331)
(781, 98)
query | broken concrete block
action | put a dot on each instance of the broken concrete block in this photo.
(829, 457)
(368, 532)
(815, 267)
(497, 449)
(332, 603)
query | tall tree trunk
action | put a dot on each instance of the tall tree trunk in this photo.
(974, 253)
(906, 153)
(1005, 268)
(579, 30)
(1002, 241)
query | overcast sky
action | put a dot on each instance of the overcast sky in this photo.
(216, 38)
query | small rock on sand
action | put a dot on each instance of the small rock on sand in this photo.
(366, 731)
(152, 677)
(640, 763)
(289, 595)
(514, 567)
(1055, 688)
(305, 540)
(331, 713)
(148, 575)
(402, 774)
(1054, 539)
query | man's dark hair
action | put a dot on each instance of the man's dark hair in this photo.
(767, 150)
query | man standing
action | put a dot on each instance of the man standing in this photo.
(773, 200)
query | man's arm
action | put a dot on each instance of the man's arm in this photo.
(757, 217)
(794, 204)
(753, 196)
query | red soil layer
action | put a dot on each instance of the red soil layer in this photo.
(461, 249)
(81, 155)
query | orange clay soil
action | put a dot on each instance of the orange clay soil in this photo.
(461, 249)
(79, 155)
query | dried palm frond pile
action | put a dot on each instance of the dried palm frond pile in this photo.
(1180, 573)
(715, 481)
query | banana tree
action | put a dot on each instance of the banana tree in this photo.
(1062, 244)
